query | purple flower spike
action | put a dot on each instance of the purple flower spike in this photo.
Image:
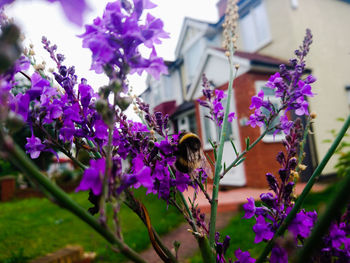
(92, 177)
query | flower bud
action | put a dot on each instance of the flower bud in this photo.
(101, 106)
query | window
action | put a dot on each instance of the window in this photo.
(254, 25)
(269, 94)
(187, 122)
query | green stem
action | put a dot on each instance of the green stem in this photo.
(16, 155)
(251, 146)
(305, 192)
(332, 211)
(218, 164)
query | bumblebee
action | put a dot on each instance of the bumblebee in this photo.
(190, 156)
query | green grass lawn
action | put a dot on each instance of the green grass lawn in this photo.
(34, 227)
(241, 230)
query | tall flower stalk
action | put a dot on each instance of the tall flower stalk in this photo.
(229, 43)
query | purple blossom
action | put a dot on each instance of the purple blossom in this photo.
(101, 130)
(249, 208)
(231, 116)
(182, 181)
(256, 119)
(285, 125)
(301, 225)
(257, 101)
(262, 230)
(243, 257)
(142, 174)
(38, 85)
(337, 236)
(34, 146)
(278, 255)
(93, 176)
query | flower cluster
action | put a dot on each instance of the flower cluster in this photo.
(115, 39)
(336, 245)
(72, 114)
(278, 204)
(290, 88)
(213, 101)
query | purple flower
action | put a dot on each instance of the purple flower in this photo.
(86, 93)
(301, 225)
(243, 257)
(34, 146)
(93, 176)
(278, 255)
(231, 116)
(302, 107)
(219, 94)
(152, 31)
(257, 101)
(165, 147)
(262, 230)
(256, 119)
(72, 113)
(285, 125)
(182, 181)
(38, 85)
(101, 130)
(337, 236)
(142, 174)
(249, 208)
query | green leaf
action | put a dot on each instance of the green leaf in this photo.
(247, 142)
(234, 147)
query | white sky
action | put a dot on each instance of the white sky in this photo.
(38, 17)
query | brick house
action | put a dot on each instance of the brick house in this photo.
(198, 51)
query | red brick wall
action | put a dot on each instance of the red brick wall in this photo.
(262, 158)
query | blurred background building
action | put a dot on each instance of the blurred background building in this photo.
(269, 32)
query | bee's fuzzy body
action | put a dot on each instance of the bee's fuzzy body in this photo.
(189, 155)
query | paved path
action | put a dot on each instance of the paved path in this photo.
(229, 201)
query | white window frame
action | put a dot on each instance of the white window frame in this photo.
(269, 138)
